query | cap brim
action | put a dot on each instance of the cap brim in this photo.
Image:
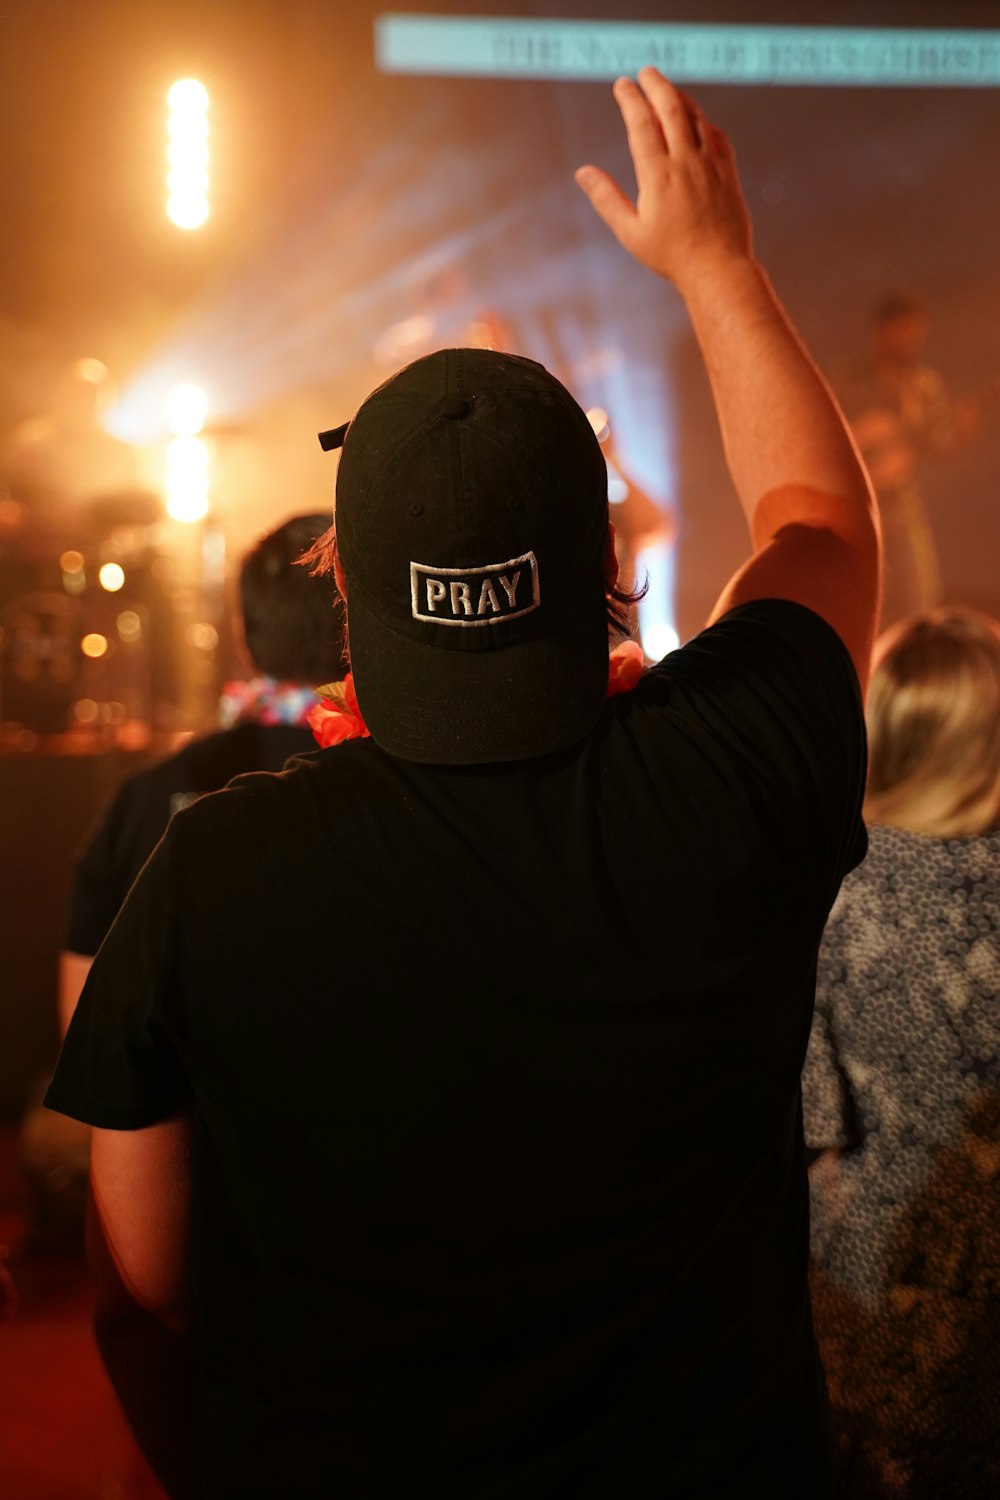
(447, 707)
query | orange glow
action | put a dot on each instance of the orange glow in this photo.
(111, 577)
(71, 562)
(94, 645)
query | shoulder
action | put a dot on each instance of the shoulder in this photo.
(252, 795)
(771, 644)
(767, 700)
(174, 772)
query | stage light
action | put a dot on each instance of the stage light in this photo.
(187, 212)
(187, 479)
(94, 645)
(187, 154)
(111, 576)
(188, 96)
(186, 406)
(187, 182)
(188, 151)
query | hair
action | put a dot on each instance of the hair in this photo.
(321, 560)
(891, 307)
(290, 619)
(934, 725)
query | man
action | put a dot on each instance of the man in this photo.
(294, 641)
(900, 412)
(470, 1051)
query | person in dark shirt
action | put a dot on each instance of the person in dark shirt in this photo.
(448, 1130)
(294, 640)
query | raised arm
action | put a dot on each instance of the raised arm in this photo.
(793, 463)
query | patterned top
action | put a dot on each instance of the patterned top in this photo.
(905, 1040)
(903, 1079)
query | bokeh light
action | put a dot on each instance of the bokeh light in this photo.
(94, 645)
(202, 637)
(129, 625)
(111, 576)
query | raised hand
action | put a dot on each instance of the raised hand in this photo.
(689, 213)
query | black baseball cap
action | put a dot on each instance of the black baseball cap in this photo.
(471, 517)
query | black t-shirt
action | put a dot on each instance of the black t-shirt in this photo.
(132, 827)
(498, 1179)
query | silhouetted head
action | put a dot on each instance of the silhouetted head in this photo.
(291, 618)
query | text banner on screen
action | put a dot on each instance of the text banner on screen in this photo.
(500, 47)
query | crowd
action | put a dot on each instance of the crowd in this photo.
(552, 1086)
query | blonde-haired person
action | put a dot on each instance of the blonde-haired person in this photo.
(934, 726)
(902, 1081)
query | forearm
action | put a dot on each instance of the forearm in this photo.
(150, 1364)
(151, 1368)
(73, 971)
(782, 430)
(138, 1248)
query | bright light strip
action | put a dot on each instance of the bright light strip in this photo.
(657, 630)
(187, 479)
(187, 154)
(501, 47)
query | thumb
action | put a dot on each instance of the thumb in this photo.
(608, 201)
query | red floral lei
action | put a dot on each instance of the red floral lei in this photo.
(338, 717)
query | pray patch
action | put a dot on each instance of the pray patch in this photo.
(475, 596)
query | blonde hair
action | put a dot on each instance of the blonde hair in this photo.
(934, 725)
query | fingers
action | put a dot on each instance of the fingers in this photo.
(675, 113)
(646, 142)
(608, 201)
(679, 120)
(723, 146)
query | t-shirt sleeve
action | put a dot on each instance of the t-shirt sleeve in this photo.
(119, 847)
(119, 1068)
(100, 884)
(778, 705)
